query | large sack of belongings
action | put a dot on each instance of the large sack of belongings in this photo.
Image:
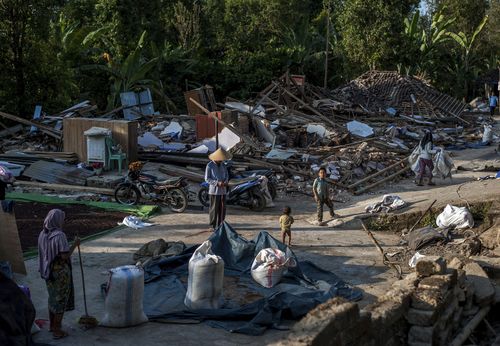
(124, 295)
(269, 266)
(205, 280)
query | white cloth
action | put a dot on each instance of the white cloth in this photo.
(455, 217)
(134, 222)
(388, 203)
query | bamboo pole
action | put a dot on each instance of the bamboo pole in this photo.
(469, 328)
(392, 176)
(421, 217)
(376, 174)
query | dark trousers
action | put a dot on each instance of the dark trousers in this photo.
(217, 211)
(492, 110)
(319, 207)
(422, 172)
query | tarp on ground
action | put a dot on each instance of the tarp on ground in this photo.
(248, 307)
(140, 210)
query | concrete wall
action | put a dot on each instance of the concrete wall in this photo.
(428, 307)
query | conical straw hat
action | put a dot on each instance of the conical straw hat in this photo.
(220, 155)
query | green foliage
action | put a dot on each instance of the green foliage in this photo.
(56, 53)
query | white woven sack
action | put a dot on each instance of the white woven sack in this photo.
(456, 217)
(123, 303)
(206, 279)
(269, 265)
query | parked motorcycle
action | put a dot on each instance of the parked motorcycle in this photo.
(245, 192)
(137, 185)
(272, 182)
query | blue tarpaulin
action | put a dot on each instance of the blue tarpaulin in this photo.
(248, 307)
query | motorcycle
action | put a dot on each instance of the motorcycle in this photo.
(137, 185)
(272, 182)
(245, 192)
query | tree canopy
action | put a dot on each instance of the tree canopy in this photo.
(57, 52)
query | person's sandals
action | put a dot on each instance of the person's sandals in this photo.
(59, 335)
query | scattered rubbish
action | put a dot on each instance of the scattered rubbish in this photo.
(359, 129)
(124, 296)
(416, 257)
(134, 222)
(455, 217)
(148, 139)
(205, 280)
(424, 236)
(387, 204)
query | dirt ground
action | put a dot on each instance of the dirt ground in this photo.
(345, 250)
(80, 220)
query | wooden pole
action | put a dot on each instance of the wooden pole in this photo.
(353, 185)
(392, 176)
(385, 260)
(469, 328)
(421, 217)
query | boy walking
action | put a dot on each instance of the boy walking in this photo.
(321, 196)
(286, 221)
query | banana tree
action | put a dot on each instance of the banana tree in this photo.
(467, 58)
(127, 75)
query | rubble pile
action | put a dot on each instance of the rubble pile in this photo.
(362, 132)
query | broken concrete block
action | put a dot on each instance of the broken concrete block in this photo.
(431, 265)
(484, 291)
(491, 265)
(409, 282)
(423, 318)
(425, 299)
(321, 326)
(385, 313)
(490, 238)
(439, 283)
(401, 296)
(455, 263)
(418, 334)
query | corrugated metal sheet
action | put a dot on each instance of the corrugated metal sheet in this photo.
(55, 173)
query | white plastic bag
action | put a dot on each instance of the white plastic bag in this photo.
(206, 279)
(413, 159)
(416, 257)
(134, 222)
(6, 175)
(487, 134)
(123, 303)
(443, 164)
(269, 265)
(456, 217)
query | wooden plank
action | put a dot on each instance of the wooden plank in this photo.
(376, 174)
(124, 132)
(10, 244)
(44, 128)
(392, 176)
(64, 187)
(11, 130)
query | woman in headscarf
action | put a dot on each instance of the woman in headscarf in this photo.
(55, 267)
(425, 158)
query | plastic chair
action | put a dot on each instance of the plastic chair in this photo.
(114, 156)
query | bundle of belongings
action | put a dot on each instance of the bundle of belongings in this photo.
(223, 283)
(387, 204)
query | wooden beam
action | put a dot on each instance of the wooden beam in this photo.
(377, 173)
(392, 176)
(45, 129)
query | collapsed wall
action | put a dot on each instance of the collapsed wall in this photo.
(431, 306)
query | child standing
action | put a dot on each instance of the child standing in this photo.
(321, 195)
(286, 221)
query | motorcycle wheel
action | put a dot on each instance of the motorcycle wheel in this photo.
(272, 190)
(127, 194)
(203, 197)
(258, 202)
(179, 201)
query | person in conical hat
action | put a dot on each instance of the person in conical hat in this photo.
(217, 177)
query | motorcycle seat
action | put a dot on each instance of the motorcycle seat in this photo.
(169, 181)
(234, 182)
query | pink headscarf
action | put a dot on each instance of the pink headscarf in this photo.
(51, 241)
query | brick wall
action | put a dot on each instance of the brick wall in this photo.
(427, 307)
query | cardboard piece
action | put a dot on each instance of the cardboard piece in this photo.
(10, 244)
